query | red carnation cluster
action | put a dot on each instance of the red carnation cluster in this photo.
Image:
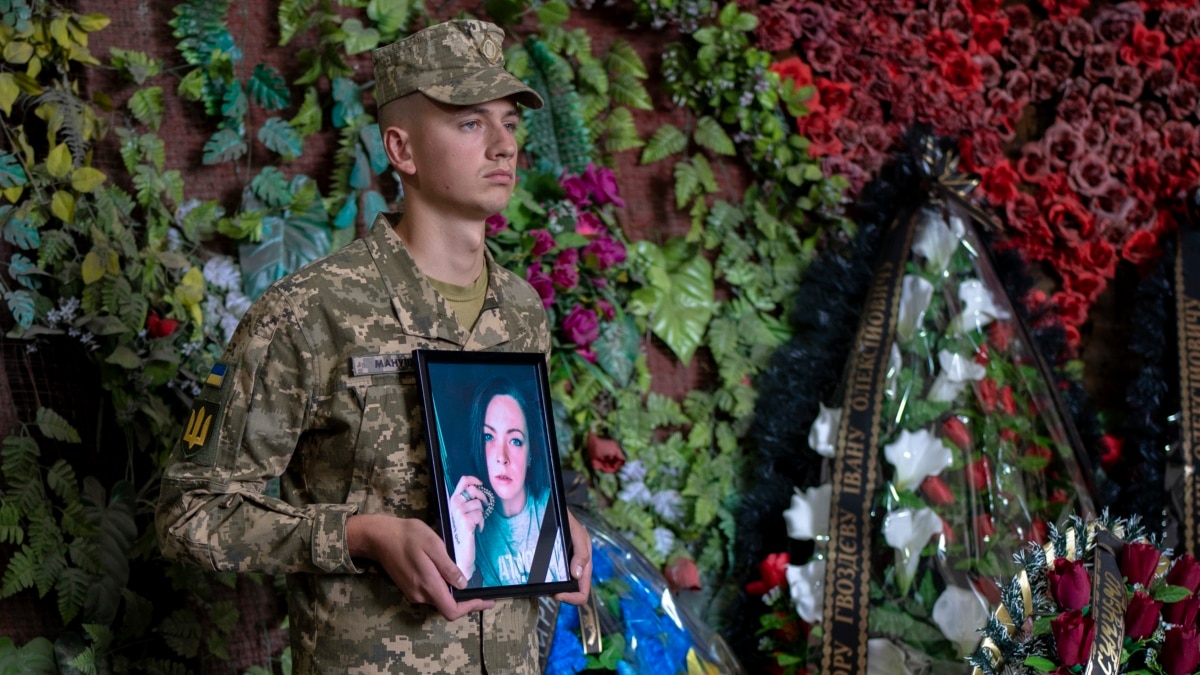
(1084, 128)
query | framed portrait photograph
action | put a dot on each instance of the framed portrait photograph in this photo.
(496, 475)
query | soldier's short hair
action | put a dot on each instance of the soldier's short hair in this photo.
(457, 62)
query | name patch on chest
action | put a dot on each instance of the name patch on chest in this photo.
(378, 364)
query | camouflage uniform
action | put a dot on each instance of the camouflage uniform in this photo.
(316, 388)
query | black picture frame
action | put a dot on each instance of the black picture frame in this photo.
(492, 392)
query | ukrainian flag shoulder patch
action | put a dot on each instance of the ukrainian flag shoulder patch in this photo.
(216, 377)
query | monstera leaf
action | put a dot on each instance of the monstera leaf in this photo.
(678, 296)
(287, 245)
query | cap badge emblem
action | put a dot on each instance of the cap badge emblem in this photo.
(490, 50)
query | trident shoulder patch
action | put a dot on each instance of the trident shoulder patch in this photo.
(203, 427)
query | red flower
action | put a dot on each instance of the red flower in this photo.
(1139, 562)
(818, 128)
(1146, 47)
(1089, 285)
(963, 75)
(1141, 617)
(1185, 572)
(1071, 220)
(834, 96)
(773, 571)
(157, 327)
(798, 73)
(1073, 635)
(1187, 60)
(1141, 248)
(1072, 307)
(604, 454)
(1070, 585)
(1006, 400)
(984, 527)
(682, 574)
(999, 182)
(1182, 612)
(979, 474)
(987, 32)
(1038, 531)
(999, 334)
(957, 433)
(1181, 650)
(987, 394)
(936, 491)
(1110, 452)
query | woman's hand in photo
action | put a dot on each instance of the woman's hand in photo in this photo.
(467, 505)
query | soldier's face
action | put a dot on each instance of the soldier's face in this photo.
(466, 156)
(506, 447)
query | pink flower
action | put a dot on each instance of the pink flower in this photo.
(606, 309)
(541, 283)
(543, 242)
(576, 189)
(605, 252)
(603, 185)
(589, 224)
(682, 573)
(581, 326)
(604, 454)
(565, 273)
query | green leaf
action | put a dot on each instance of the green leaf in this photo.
(18, 230)
(372, 141)
(1169, 594)
(111, 516)
(24, 271)
(1040, 663)
(358, 39)
(182, 632)
(268, 88)
(147, 106)
(687, 183)
(621, 132)
(12, 173)
(390, 16)
(704, 174)
(711, 135)
(592, 74)
(21, 304)
(285, 247)
(685, 303)
(61, 479)
(282, 138)
(293, 17)
(35, 657)
(55, 426)
(125, 357)
(666, 141)
(617, 349)
(19, 574)
(137, 66)
(72, 587)
(225, 146)
(553, 13)
(308, 118)
(893, 620)
(271, 186)
(347, 105)
(626, 89)
(623, 58)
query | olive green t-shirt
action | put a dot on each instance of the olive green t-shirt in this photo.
(466, 301)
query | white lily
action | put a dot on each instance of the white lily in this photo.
(893, 372)
(822, 437)
(960, 614)
(956, 372)
(908, 531)
(916, 455)
(808, 518)
(807, 584)
(915, 294)
(885, 658)
(937, 239)
(979, 307)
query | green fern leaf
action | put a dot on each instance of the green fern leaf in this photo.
(224, 616)
(12, 173)
(592, 74)
(271, 187)
(61, 479)
(268, 88)
(666, 141)
(137, 66)
(70, 114)
(224, 146)
(627, 90)
(55, 247)
(295, 16)
(705, 174)
(19, 460)
(21, 304)
(623, 58)
(621, 132)
(343, 162)
(308, 119)
(711, 135)
(19, 574)
(55, 426)
(687, 183)
(73, 585)
(147, 106)
(182, 631)
(11, 531)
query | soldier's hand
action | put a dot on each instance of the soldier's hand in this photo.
(415, 558)
(581, 563)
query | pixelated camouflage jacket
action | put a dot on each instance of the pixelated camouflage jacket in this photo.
(316, 388)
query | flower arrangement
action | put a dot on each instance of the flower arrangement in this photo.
(976, 463)
(1049, 618)
(1080, 117)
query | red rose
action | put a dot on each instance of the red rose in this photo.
(1139, 562)
(1006, 400)
(979, 474)
(987, 393)
(817, 127)
(1073, 635)
(1101, 257)
(1038, 531)
(1182, 612)
(773, 571)
(157, 327)
(604, 454)
(794, 70)
(1141, 248)
(999, 182)
(1185, 571)
(1071, 220)
(957, 433)
(1072, 307)
(1181, 651)
(936, 491)
(1187, 60)
(1070, 585)
(682, 574)
(984, 527)
(999, 335)
(987, 32)
(834, 96)
(1146, 47)
(777, 28)
(1110, 452)
(962, 74)
(1089, 285)
(1141, 616)
(1009, 436)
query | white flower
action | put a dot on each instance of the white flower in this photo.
(937, 240)
(222, 273)
(664, 541)
(908, 532)
(915, 294)
(960, 614)
(885, 658)
(635, 493)
(809, 516)
(956, 372)
(823, 434)
(632, 472)
(893, 371)
(667, 503)
(807, 584)
(236, 303)
(979, 307)
(917, 455)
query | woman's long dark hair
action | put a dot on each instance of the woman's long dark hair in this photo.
(536, 478)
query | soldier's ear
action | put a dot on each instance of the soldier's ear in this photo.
(399, 150)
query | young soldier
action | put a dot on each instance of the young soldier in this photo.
(317, 388)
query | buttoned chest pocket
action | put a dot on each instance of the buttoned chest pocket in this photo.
(391, 469)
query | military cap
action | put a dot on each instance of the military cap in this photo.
(456, 62)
